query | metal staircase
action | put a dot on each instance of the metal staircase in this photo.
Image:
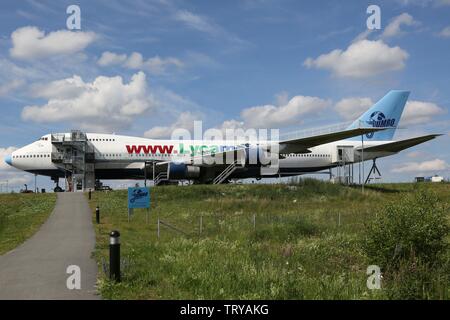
(226, 173)
(160, 178)
(73, 153)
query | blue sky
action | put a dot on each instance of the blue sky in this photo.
(145, 67)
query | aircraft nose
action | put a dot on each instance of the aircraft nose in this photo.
(8, 159)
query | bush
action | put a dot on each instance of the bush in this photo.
(407, 240)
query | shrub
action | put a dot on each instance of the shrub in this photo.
(407, 240)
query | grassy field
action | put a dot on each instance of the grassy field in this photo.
(298, 241)
(21, 215)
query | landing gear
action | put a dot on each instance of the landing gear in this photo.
(57, 188)
(374, 170)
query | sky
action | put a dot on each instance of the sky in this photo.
(144, 68)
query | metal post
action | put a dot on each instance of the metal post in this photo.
(114, 256)
(158, 228)
(359, 171)
(97, 215)
(145, 174)
(90, 196)
(362, 162)
(153, 171)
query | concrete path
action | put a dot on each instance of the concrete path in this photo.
(37, 268)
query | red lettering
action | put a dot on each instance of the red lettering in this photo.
(149, 149)
(133, 149)
(166, 149)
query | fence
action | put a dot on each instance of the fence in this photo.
(234, 224)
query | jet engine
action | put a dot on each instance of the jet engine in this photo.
(183, 171)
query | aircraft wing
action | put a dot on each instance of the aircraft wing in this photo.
(301, 145)
(212, 159)
(400, 145)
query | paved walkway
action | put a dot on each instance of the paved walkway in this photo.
(37, 268)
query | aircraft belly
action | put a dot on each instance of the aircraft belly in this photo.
(303, 163)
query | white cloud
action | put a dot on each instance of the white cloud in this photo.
(69, 88)
(185, 120)
(11, 86)
(13, 76)
(270, 116)
(445, 33)
(418, 112)
(111, 58)
(104, 104)
(393, 29)
(135, 61)
(361, 59)
(363, 35)
(155, 65)
(31, 43)
(196, 22)
(207, 26)
(416, 154)
(3, 153)
(351, 108)
(7, 173)
(232, 124)
(425, 166)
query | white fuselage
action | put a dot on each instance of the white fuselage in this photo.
(118, 156)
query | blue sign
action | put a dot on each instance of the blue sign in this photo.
(138, 198)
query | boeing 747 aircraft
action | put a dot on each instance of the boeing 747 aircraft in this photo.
(90, 156)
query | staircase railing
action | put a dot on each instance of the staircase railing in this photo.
(225, 173)
(162, 176)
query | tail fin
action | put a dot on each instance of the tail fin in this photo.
(385, 113)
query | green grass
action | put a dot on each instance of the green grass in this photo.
(297, 248)
(21, 215)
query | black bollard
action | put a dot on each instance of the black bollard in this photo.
(114, 256)
(97, 215)
(89, 194)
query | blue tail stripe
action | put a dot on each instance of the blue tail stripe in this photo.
(385, 113)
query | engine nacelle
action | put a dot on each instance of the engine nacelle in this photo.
(182, 171)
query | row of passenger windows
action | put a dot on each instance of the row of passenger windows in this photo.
(99, 155)
(163, 155)
(307, 155)
(32, 156)
(101, 139)
(112, 155)
(92, 139)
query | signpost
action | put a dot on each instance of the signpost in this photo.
(138, 198)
